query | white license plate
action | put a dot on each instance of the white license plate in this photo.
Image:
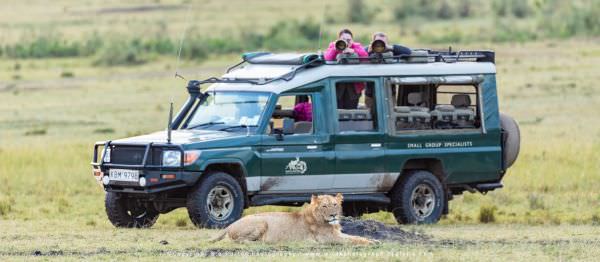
(124, 175)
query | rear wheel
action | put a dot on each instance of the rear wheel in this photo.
(216, 202)
(128, 213)
(418, 199)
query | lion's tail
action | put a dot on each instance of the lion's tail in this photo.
(219, 237)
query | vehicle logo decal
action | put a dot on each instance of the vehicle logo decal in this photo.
(296, 166)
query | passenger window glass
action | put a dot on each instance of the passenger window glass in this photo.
(293, 115)
(429, 106)
(356, 107)
(456, 107)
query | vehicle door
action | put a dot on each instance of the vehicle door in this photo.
(296, 152)
(359, 136)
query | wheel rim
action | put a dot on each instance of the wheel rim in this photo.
(422, 201)
(219, 203)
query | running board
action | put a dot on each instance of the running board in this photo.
(277, 199)
(488, 186)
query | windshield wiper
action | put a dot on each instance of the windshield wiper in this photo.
(237, 126)
(211, 123)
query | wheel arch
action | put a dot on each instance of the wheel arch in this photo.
(231, 166)
(433, 165)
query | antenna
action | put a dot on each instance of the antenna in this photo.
(169, 127)
(181, 39)
(320, 52)
(177, 75)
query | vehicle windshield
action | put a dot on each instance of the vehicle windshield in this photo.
(229, 110)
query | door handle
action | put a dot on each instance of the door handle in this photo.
(311, 147)
(376, 145)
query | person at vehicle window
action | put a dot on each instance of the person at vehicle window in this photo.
(348, 94)
(303, 109)
(395, 50)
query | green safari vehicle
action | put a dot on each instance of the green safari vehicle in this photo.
(402, 134)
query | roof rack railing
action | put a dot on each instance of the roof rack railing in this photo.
(306, 61)
(421, 56)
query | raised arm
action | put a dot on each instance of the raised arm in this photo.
(331, 53)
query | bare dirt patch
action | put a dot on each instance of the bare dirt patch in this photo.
(376, 230)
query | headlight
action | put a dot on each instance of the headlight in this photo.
(171, 158)
(106, 156)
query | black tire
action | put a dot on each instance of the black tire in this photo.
(351, 209)
(512, 139)
(408, 212)
(357, 209)
(199, 209)
(128, 213)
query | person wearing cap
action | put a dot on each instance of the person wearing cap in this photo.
(395, 49)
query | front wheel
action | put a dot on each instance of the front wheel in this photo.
(128, 213)
(216, 202)
(418, 199)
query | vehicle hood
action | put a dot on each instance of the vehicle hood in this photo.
(179, 137)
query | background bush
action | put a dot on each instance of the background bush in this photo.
(539, 19)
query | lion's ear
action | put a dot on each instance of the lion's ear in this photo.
(314, 199)
(339, 197)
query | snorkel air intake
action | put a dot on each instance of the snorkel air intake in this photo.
(193, 89)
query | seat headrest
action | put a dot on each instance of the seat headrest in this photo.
(461, 100)
(402, 109)
(444, 108)
(414, 99)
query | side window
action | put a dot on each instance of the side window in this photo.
(293, 115)
(432, 107)
(456, 107)
(356, 107)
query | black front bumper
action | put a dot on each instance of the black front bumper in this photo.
(152, 172)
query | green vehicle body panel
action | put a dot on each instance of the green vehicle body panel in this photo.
(467, 156)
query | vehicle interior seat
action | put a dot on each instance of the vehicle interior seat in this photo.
(465, 116)
(355, 120)
(444, 116)
(414, 116)
(303, 127)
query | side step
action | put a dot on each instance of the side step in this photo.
(298, 199)
(488, 186)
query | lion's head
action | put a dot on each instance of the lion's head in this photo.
(326, 208)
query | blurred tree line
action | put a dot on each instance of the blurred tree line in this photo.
(504, 18)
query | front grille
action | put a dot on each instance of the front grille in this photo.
(127, 155)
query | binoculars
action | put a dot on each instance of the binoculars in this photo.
(341, 45)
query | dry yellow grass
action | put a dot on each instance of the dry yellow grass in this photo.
(548, 209)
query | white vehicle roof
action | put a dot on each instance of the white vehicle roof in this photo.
(314, 74)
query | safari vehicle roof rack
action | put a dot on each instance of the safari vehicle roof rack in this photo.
(307, 60)
(422, 56)
(302, 61)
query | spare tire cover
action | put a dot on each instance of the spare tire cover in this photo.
(512, 139)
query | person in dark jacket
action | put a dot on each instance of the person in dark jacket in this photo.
(395, 49)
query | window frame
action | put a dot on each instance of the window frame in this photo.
(276, 97)
(378, 99)
(393, 131)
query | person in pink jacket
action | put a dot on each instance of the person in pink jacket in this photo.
(348, 94)
(353, 47)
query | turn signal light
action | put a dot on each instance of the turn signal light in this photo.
(98, 173)
(168, 176)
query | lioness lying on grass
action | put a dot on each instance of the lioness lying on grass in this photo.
(318, 222)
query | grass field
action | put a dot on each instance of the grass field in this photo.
(53, 110)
